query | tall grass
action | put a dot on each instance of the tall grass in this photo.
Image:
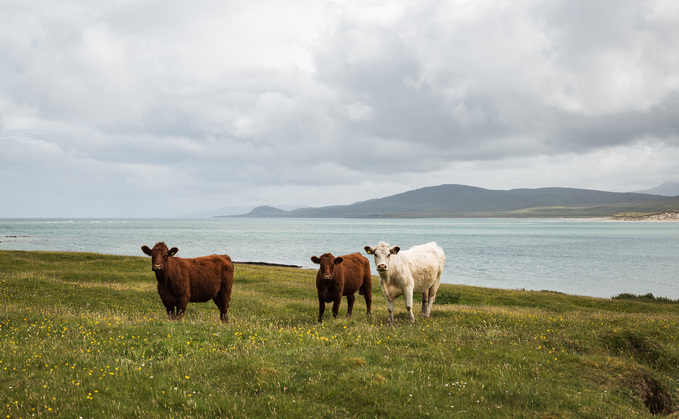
(85, 335)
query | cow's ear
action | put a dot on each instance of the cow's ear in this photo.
(369, 250)
(338, 260)
(146, 250)
(315, 259)
(394, 250)
(173, 251)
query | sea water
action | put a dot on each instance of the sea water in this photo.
(582, 257)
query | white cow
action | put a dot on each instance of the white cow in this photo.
(416, 270)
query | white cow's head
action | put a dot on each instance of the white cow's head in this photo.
(382, 252)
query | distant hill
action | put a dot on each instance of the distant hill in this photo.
(451, 201)
(234, 210)
(666, 189)
(267, 212)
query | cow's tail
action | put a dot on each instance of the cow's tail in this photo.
(367, 282)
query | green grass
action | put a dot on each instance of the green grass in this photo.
(85, 335)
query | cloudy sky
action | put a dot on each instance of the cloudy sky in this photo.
(149, 108)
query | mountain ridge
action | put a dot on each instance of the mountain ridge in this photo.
(665, 189)
(461, 201)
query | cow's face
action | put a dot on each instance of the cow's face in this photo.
(327, 262)
(159, 255)
(382, 252)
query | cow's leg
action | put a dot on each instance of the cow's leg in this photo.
(181, 307)
(170, 309)
(430, 303)
(225, 296)
(169, 306)
(350, 304)
(336, 305)
(390, 308)
(223, 305)
(223, 317)
(432, 295)
(408, 294)
(424, 303)
(321, 309)
(180, 314)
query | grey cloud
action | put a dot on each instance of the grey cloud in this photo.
(435, 87)
(251, 100)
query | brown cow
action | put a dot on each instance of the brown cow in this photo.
(342, 275)
(196, 280)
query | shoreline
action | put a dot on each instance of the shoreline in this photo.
(276, 265)
(666, 216)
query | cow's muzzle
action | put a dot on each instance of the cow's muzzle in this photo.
(156, 268)
(381, 267)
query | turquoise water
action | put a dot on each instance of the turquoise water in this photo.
(593, 258)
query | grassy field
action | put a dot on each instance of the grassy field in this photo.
(85, 335)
